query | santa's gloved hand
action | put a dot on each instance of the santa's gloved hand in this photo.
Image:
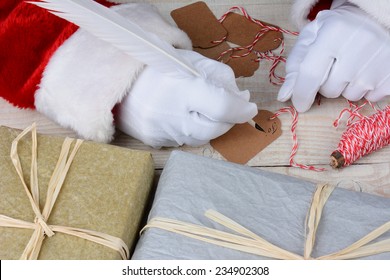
(342, 52)
(169, 110)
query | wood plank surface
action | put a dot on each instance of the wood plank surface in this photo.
(317, 137)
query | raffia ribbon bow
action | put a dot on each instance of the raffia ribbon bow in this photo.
(40, 226)
(250, 242)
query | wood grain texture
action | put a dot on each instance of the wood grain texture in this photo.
(317, 137)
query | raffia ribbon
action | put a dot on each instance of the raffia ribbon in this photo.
(40, 226)
(250, 242)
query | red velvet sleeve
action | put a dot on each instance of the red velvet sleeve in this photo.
(29, 36)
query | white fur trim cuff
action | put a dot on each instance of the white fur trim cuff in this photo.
(87, 77)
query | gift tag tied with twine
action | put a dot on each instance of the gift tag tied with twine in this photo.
(210, 37)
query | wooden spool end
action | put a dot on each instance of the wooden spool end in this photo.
(337, 159)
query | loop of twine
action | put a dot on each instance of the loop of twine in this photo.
(353, 111)
(294, 150)
(40, 226)
(249, 242)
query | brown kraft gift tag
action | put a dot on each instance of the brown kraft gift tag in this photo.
(243, 141)
(200, 24)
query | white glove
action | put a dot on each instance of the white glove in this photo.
(165, 110)
(342, 52)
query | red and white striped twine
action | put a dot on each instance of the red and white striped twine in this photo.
(268, 55)
(294, 150)
(353, 111)
(276, 59)
(366, 135)
(245, 14)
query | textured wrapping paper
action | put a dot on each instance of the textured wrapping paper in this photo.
(271, 205)
(105, 190)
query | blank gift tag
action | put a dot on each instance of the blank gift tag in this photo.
(200, 24)
(242, 31)
(243, 141)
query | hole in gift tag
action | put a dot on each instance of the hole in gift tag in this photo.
(244, 141)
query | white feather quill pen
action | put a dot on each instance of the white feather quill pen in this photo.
(111, 27)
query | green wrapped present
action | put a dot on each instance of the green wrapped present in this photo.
(69, 199)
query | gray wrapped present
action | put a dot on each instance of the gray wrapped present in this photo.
(270, 206)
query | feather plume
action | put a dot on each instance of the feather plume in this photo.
(127, 36)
